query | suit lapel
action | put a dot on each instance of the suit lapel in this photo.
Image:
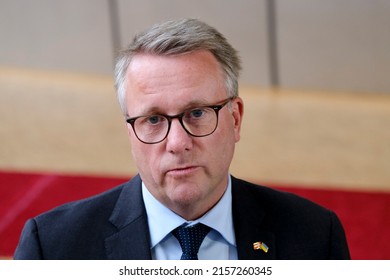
(248, 216)
(131, 241)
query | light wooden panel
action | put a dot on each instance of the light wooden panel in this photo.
(66, 123)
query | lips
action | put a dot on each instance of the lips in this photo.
(182, 171)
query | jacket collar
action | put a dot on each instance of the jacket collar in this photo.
(131, 241)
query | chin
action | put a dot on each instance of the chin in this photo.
(186, 194)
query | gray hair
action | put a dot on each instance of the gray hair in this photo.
(179, 37)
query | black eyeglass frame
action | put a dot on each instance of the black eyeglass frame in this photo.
(179, 116)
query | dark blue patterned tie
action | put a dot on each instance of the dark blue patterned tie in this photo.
(190, 238)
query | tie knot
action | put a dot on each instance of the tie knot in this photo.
(190, 239)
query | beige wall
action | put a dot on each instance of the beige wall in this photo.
(242, 22)
(71, 35)
(327, 45)
(335, 44)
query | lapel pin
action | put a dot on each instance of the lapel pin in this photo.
(260, 246)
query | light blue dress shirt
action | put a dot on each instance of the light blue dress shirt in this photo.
(219, 244)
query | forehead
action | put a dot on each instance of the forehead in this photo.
(173, 82)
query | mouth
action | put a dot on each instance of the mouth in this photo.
(182, 171)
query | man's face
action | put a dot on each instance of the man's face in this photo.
(187, 174)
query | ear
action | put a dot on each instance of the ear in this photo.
(238, 113)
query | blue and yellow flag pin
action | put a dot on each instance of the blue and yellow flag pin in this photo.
(260, 246)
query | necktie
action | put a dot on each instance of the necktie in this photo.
(190, 239)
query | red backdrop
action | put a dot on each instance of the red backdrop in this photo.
(365, 215)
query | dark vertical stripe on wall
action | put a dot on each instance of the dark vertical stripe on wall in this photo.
(272, 43)
(115, 27)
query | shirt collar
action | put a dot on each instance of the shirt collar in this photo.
(162, 220)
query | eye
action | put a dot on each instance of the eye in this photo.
(155, 119)
(197, 113)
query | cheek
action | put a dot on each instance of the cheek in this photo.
(230, 132)
(147, 162)
(222, 149)
(142, 153)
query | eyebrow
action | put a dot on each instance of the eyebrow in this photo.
(159, 110)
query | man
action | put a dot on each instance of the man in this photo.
(177, 87)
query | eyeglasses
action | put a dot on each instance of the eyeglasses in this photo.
(198, 122)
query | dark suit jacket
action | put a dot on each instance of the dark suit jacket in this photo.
(113, 225)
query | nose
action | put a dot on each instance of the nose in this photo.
(178, 140)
